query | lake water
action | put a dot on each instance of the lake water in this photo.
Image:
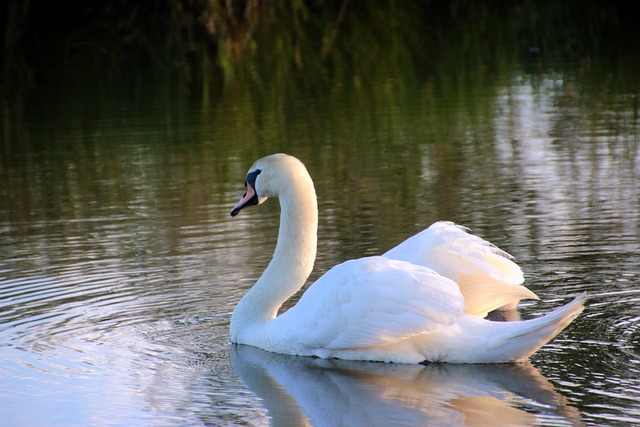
(120, 266)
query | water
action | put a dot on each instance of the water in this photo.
(119, 264)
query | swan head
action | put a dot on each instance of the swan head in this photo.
(270, 177)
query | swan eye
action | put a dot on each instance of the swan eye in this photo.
(251, 178)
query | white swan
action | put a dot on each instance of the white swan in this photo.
(423, 301)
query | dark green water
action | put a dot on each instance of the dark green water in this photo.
(120, 266)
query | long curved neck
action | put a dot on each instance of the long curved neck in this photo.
(292, 260)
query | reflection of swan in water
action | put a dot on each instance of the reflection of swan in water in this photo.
(300, 391)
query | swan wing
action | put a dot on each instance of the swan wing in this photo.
(372, 302)
(487, 276)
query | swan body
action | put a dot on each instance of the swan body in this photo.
(424, 300)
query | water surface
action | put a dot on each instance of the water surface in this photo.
(119, 264)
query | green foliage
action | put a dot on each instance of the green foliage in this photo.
(316, 45)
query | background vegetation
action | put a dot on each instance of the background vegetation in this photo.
(298, 46)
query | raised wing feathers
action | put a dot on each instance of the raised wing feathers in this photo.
(487, 276)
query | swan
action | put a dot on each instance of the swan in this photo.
(423, 301)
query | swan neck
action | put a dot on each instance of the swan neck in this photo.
(290, 266)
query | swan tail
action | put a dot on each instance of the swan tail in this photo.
(519, 340)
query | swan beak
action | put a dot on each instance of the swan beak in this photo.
(249, 198)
